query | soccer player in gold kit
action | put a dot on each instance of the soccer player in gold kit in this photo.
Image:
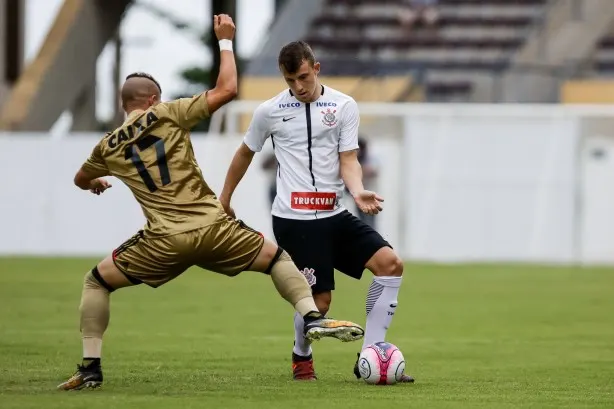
(186, 225)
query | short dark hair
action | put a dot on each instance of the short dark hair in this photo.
(293, 54)
(150, 77)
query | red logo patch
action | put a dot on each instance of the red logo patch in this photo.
(313, 200)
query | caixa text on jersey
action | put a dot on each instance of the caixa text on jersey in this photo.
(130, 131)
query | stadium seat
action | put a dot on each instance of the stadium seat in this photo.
(603, 62)
(446, 21)
(366, 37)
(441, 2)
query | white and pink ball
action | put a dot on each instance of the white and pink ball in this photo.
(381, 363)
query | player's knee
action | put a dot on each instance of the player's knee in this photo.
(278, 255)
(396, 267)
(269, 255)
(93, 281)
(388, 264)
(323, 301)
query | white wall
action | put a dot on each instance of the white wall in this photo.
(42, 212)
(471, 184)
(496, 188)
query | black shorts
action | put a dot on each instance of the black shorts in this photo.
(320, 246)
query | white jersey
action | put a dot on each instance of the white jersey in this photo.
(307, 139)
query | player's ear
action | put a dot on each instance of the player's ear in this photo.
(316, 68)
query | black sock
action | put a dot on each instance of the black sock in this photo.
(90, 362)
(299, 358)
(312, 316)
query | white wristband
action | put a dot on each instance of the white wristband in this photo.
(225, 45)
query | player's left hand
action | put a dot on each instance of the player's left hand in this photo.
(98, 186)
(368, 202)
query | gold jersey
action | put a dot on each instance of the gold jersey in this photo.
(151, 152)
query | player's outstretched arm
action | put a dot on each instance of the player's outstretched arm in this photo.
(225, 89)
(89, 176)
(350, 169)
(187, 112)
(240, 162)
(257, 134)
(351, 173)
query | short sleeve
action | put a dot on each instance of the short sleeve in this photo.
(258, 130)
(95, 164)
(348, 138)
(187, 112)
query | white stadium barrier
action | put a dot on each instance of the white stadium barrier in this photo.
(462, 183)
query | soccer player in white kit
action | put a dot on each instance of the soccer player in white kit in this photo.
(314, 131)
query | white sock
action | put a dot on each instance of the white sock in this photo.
(92, 347)
(302, 347)
(381, 305)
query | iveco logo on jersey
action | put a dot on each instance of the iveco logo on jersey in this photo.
(290, 105)
(326, 104)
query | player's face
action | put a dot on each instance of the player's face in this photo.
(304, 82)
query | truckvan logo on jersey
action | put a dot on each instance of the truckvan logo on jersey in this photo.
(326, 104)
(329, 117)
(313, 200)
(290, 105)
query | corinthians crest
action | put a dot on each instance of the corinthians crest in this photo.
(309, 274)
(329, 117)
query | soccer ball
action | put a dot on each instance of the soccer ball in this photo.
(381, 363)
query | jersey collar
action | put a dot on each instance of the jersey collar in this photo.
(133, 114)
(321, 93)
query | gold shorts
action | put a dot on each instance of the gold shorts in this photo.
(227, 247)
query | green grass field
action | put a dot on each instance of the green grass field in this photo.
(473, 336)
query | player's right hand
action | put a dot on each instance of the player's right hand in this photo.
(368, 202)
(224, 27)
(98, 186)
(228, 209)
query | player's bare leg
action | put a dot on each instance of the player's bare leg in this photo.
(302, 354)
(294, 288)
(382, 300)
(97, 287)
